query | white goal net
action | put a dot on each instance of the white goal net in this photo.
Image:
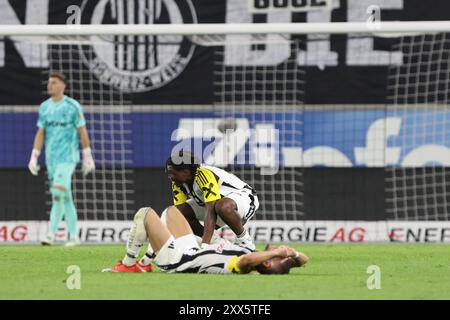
(268, 100)
(268, 136)
(419, 90)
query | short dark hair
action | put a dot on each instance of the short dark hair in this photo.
(183, 160)
(58, 75)
(283, 267)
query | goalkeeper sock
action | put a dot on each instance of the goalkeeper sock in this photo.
(136, 238)
(148, 256)
(71, 215)
(57, 211)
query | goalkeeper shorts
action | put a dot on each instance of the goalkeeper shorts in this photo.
(61, 174)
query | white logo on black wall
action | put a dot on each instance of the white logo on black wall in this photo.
(139, 63)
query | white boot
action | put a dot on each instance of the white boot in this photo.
(245, 240)
(49, 239)
(73, 241)
(248, 243)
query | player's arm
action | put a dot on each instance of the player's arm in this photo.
(299, 260)
(39, 139)
(88, 160)
(249, 261)
(207, 181)
(210, 222)
(84, 137)
(88, 165)
(33, 165)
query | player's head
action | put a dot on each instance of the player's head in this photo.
(181, 167)
(275, 266)
(56, 84)
(279, 265)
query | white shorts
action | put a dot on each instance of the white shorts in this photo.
(172, 251)
(246, 203)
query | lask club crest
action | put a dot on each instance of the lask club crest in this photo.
(139, 63)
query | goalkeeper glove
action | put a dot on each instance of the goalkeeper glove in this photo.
(33, 165)
(88, 162)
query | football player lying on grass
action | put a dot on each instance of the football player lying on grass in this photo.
(176, 250)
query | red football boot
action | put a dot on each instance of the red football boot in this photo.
(147, 268)
(120, 267)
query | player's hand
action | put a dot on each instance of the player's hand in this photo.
(33, 165)
(291, 253)
(285, 252)
(300, 259)
(88, 162)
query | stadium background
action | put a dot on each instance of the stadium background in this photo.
(341, 191)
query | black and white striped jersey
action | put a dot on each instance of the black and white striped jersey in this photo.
(215, 258)
(210, 184)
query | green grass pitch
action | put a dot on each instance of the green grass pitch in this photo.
(338, 271)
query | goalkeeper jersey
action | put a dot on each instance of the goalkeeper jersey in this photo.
(220, 258)
(61, 121)
(210, 184)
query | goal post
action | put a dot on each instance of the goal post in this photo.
(394, 27)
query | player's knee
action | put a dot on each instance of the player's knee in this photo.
(144, 216)
(164, 215)
(58, 194)
(225, 206)
(172, 213)
(139, 217)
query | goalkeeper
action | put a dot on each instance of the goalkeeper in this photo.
(62, 125)
(176, 250)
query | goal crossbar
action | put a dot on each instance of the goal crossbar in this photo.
(229, 29)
